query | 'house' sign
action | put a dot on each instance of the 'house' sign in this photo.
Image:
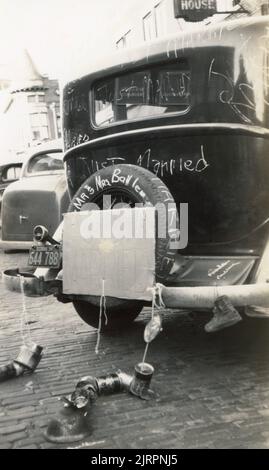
(194, 10)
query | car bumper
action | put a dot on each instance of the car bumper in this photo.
(189, 298)
(15, 245)
(196, 298)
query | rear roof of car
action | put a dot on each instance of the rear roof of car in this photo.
(220, 34)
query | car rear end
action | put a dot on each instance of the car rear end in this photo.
(27, 203)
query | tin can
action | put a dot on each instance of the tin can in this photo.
(141, 380)
(125, 379)
(108, 384)
(29, 356)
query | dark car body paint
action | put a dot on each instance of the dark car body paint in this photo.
(214, 156)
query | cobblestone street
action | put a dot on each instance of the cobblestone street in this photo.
(213, 391)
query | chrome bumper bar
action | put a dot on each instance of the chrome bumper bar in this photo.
(205, 297)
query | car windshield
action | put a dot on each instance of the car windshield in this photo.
(151, 92)
(46, 162)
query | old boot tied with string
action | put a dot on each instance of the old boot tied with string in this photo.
(225, 315)
(143, 371)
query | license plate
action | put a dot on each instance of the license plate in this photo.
(47, 256)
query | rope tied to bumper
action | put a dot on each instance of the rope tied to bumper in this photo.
(101, 312)
(157, 299)
(24, 324)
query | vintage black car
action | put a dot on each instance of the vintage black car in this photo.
(188, 118)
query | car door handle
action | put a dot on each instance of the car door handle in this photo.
(22, 218)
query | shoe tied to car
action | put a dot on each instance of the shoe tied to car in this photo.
(225, 315)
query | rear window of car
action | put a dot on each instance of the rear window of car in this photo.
(142, 94)
(46, 162)
(12, 173)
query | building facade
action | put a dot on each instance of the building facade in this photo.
(29, 110)
(152, 19)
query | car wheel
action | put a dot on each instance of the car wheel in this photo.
(119, 317)
(152, 191)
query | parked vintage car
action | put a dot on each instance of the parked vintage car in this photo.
(40, 196)
(9, 172)
(184, 119)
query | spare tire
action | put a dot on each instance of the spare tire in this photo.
(127, 184)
